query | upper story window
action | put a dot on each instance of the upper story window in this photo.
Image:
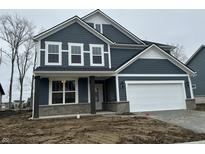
(98, 27)
(76, 57)
(53, 53)
(96, 55)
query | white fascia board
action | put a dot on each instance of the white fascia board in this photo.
(69, 22)
(152, 75)
(169, 57)
(116, 25)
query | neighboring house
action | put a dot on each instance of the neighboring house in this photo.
(4, 106)
(94, 64)
(1, 94)
(197, 63)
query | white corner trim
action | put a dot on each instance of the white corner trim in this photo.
(60, 52)
(70, 56)
(88, 89)
(152, 75)
(190, 86)
(117, 88)
(169, 57)
(38, 51)
(109, 56)
(102, 54)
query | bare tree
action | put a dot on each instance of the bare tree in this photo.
(14, 30)
(179, 53)
(24, 61)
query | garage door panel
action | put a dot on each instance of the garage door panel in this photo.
(153, 97)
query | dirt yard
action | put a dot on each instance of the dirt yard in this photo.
(16, 128)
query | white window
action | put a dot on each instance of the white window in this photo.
(64, 91)
(76, 57)
(96, 55)
(98, 27)
(53, 53)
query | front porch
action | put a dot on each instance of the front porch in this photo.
(91, 94)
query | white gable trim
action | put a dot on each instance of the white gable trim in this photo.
(116, 25)
(68, 23)
(169, 57)
(153, 54)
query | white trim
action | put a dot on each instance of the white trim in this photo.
(190, 86)
(65, 50)
(102, 54)
(116, 25)
(117, 88)
(68, 22)
(88, 89)
(109, 56)
(42, 49)
(51, 79)
(34, 88)
(101, 27)
(154, 82)
(152, 75)
(38, 53)
(170, 58)
(81, 45)
(59, 54)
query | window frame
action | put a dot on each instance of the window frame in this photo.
(70, 55)
(47, 43)
(64, 91)
(101, 28)
(102, 54)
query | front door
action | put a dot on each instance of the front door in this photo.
(98, 96)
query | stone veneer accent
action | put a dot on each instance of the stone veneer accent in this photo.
(118, 107)
(190, 104)
(65, 109)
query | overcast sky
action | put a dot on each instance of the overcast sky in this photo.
(184, 27)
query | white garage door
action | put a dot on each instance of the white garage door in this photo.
(155, 95)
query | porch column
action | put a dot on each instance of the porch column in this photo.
(92, 94)
(36, 97)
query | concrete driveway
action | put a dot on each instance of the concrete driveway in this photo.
(189, 119)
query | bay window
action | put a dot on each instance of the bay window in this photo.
(76, 57)
(96, 55)
(63, 92)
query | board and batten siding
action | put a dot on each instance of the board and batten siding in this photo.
(198, 65)
(122, 87)
(74, 33)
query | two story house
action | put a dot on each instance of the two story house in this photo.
(91, 64)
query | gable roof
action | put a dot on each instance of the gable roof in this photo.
(1, 90)
(116, 25)
(169, 57)
(194, 55)
(69, 22)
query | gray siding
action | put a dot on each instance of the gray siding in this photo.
(198, 65)
(152, 66)
(121, 56)
(42, 60)
(44, 92)
(115, 35)
(83, 90)
(122, 87)
(110, 89)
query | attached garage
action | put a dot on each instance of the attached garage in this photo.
(155, 95)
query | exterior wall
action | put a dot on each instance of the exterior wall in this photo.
(197, 64)
(115, 35)
(83, 90)
(152, 66)
(200, 99)
(110, 89)
(44, 91)
(74, 33)
(119, 107)
(121, 56)
(122, 87)
(64, 109)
